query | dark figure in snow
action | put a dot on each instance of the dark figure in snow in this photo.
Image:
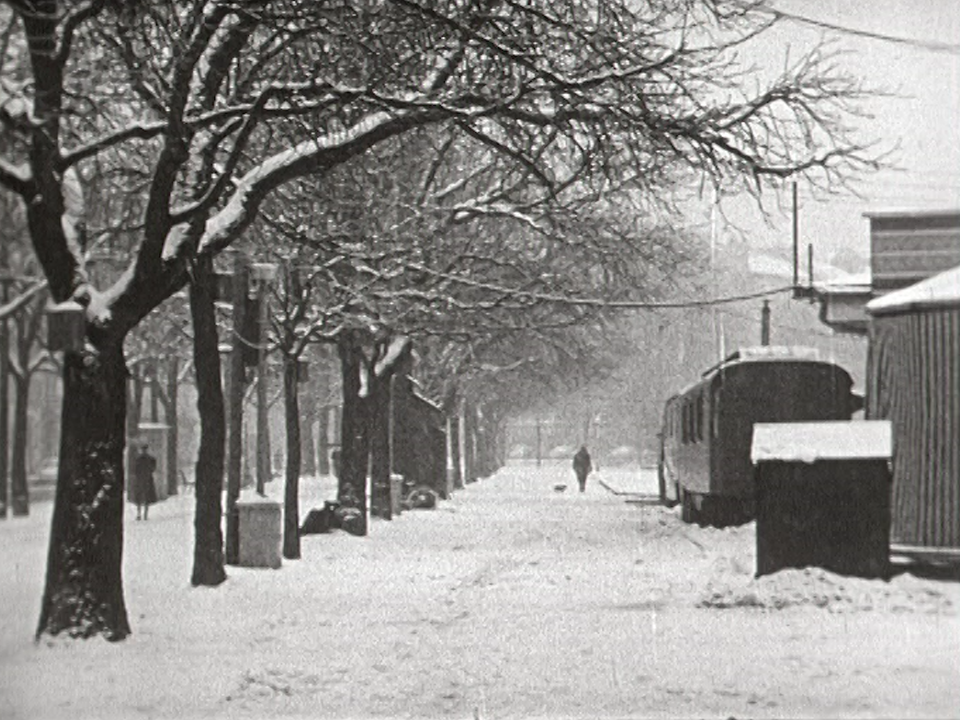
(144, 491)
(582, 466)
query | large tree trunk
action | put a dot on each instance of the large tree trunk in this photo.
(453, 423)
(84, 586)
(19, 491)
(469, 444)
(354, 435)
(378, 402)
(291, 494)
(208, 558)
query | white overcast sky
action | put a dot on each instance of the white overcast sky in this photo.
(924, 119)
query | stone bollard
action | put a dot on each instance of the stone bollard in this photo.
(261, 532)
(396, 493)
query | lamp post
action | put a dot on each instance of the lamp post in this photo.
(261, 275)
(238, 296)
(5, 280)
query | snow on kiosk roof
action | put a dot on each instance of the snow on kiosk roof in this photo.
(941, 290)
(808, 442)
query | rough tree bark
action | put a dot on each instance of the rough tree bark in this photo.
(379, 408)
(291, 494)
(469, 444)
(453, 424)
(354, 430)
(84, 588)
(208, 558)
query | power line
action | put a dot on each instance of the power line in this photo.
(680, 304)
(931, 45)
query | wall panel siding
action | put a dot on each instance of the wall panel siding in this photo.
(914, 381)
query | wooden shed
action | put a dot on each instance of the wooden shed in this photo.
(913, 380)
(823, 496)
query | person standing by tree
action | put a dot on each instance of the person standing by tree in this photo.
(582, 466)
(144, 491)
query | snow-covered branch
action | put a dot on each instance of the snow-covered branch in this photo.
(16, 177)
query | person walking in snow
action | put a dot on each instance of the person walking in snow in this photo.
(582, 466)
(144, 491)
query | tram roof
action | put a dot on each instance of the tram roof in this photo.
(750, 354)
(765, 353)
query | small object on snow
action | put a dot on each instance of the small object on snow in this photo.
(351, 520)
(321, 520)
(559, 488)
(422, 497)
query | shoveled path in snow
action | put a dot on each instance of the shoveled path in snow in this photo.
(509, 600)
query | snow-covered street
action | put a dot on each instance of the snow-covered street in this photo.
(509, 600)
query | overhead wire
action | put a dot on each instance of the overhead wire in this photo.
(930, 45)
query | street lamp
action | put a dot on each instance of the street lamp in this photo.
(262, 276)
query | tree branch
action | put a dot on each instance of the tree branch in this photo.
(16, 178)
(69, 24)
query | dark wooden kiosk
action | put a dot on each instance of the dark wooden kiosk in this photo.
(823, 496)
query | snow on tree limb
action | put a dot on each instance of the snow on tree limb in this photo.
(305, 157)
(394, 350)
(11, 308)
(16, 177)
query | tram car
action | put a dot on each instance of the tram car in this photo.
(708, 428)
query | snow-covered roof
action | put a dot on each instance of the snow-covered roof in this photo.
(937, 291)
(761, 263)
(912, 213)
(811, 441)
(846, 283)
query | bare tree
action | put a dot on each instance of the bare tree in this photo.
(226, 102)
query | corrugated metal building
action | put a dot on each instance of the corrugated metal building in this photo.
(913, 379)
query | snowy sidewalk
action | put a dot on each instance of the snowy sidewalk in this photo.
(510, 600)
(628, 481)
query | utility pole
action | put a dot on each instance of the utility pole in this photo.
(796, 242)
(5, 281)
